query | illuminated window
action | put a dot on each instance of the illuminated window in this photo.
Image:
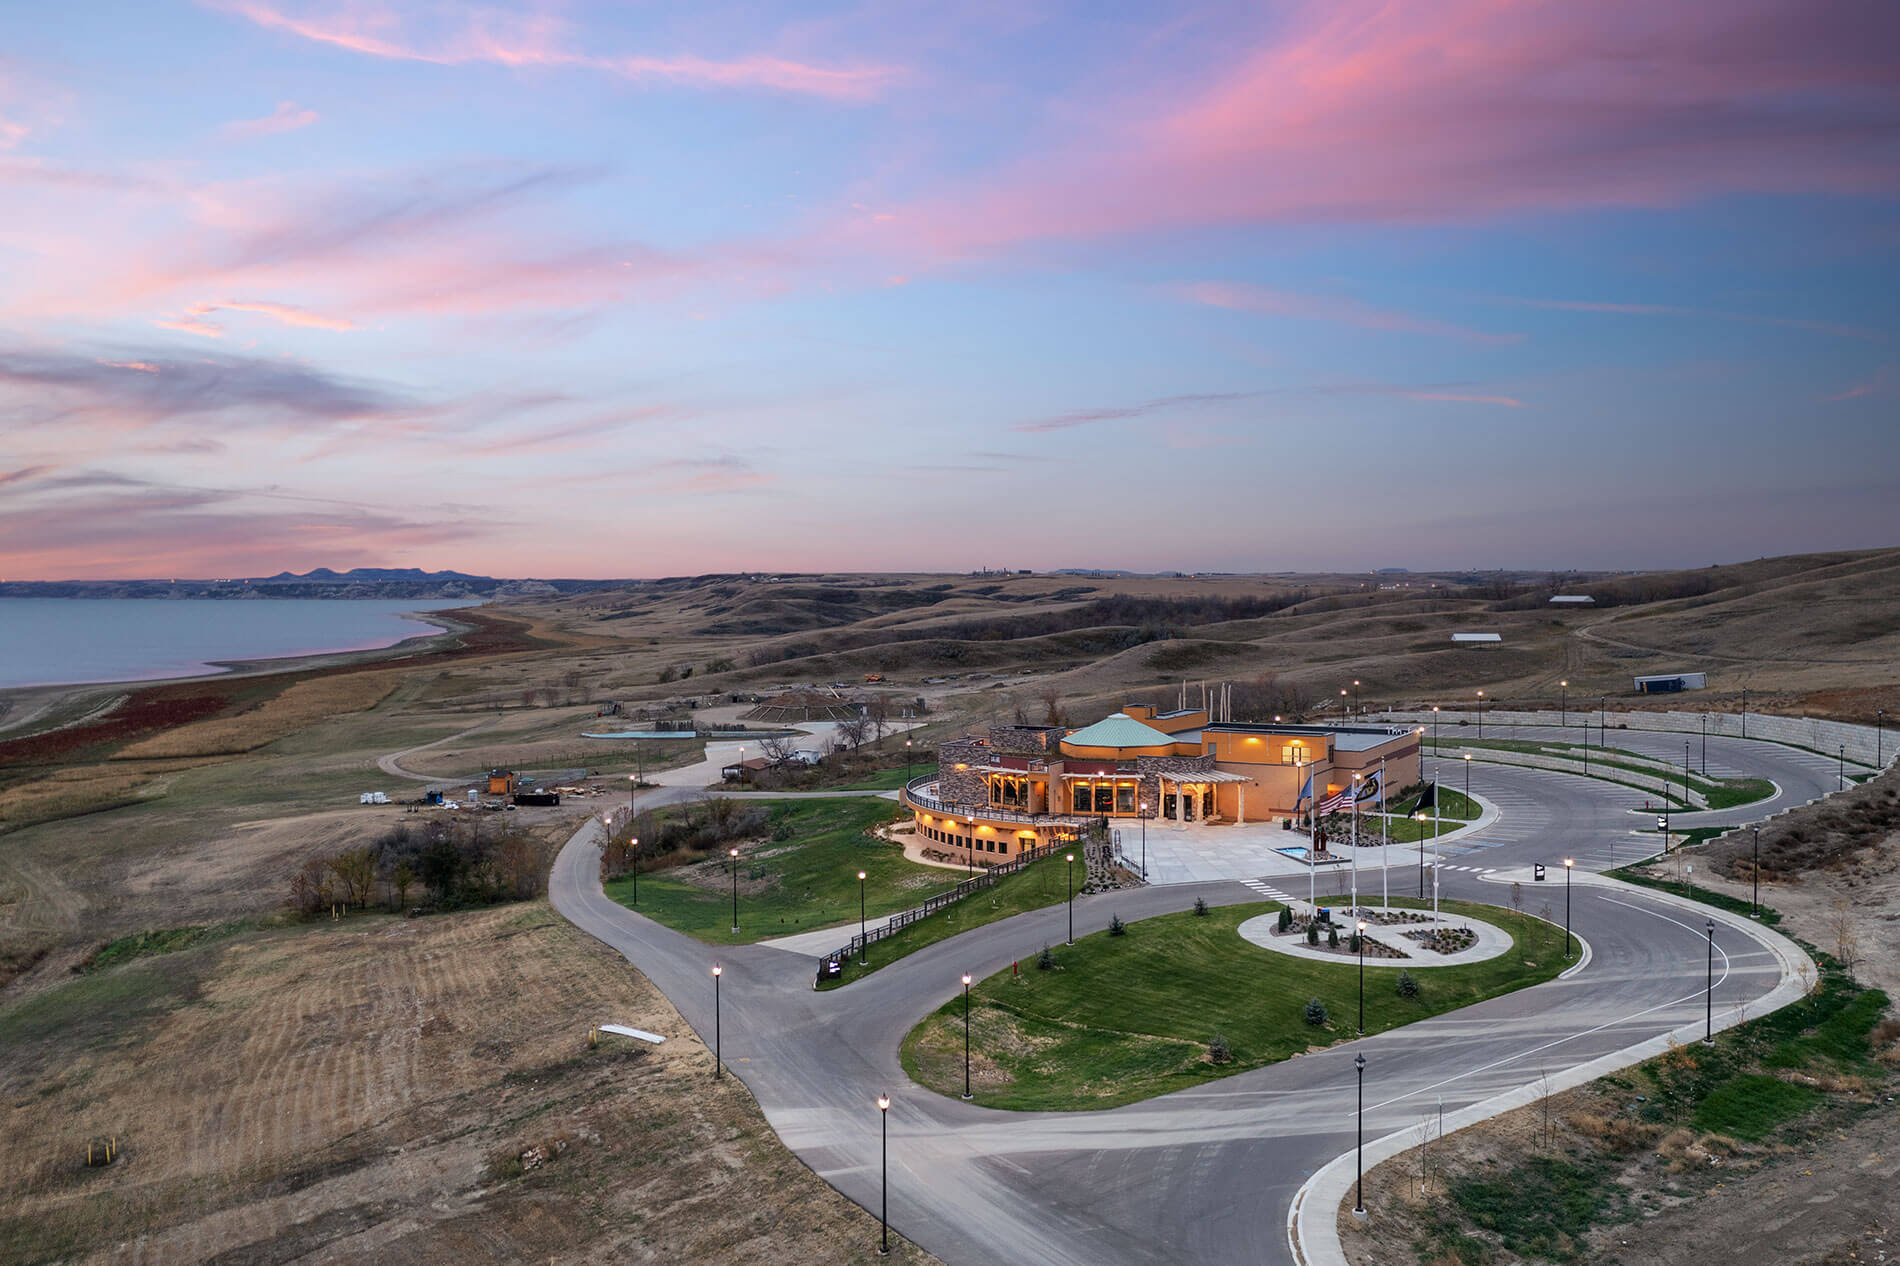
(1293, 754)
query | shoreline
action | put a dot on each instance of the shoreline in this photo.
(22, 706)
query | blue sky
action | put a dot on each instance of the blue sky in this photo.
(630, 290)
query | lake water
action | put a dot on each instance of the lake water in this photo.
(70, 641)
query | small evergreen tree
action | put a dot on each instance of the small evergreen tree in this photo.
(1200, 907)
(1116, 927)
(1316, 1013)
(1408, 985)
(1286, 919)
(1332, 937)
(1312, 934)
(1218, 1050)
(1045, 961)
(1353, 943)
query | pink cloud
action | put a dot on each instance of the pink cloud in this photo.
(191, 325)
(1245, 297)
(193, 320)
(1370, 110)
(11, 133)
(536, 41)
(287, 117)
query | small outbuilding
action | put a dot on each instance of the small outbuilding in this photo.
(1670, 683)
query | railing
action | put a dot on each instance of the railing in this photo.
(975, 883)
(988, 812)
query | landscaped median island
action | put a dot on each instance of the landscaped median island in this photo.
(1720, 793)
(797, 869)
(1181, 999)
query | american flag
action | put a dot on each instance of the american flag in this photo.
(1335, 803)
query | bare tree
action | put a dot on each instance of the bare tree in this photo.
(1517, 897)
(853, 730)
(1052, 706)
(776, 750)
(878, 713)
(1846, 935)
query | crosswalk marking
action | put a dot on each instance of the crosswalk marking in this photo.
(1266, 889)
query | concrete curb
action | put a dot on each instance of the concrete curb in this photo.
(1313, 1220)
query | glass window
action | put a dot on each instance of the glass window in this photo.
(1124, 799)
(1082, 796)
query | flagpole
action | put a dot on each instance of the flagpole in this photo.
(1352, 787)
(1434, 852)
(1385, 842)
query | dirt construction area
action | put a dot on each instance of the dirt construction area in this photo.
(384, 1089)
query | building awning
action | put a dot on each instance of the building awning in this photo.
(1206, 775)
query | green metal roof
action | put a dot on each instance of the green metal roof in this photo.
(1120, 730)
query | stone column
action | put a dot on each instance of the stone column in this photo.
(1243, 805)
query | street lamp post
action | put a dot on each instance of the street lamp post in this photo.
(907, 763)
(1708, 994)
(1603, 723)
(864, 942)
(733, 854)
(1434, 729)
(718, 1058)
(1359, 1163)
(1357, 706)
(1563, 705)
(1481, 714)
(1755, 874)
(1705, 745)
(1744, 711)
(633, 866)
(1570, 864)
(1362, 977)
(1069, 870)
(1467, 781)
(884, 1175)
(966, 1035)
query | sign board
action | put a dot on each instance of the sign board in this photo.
(1537, 872)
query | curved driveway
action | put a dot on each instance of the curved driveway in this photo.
(1204, 1174)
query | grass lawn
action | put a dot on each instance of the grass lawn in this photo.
(1041, 883)
(808, 880)
(887, 779)
(1130, 1017)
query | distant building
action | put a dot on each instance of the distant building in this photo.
(1573, 600)
(501, 782)
(1475, 639)
(1670, 683)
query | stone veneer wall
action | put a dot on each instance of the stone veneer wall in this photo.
(962, 786)
(1025, 740)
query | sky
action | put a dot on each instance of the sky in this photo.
(639, 289)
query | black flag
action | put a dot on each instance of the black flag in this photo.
(1427, 799)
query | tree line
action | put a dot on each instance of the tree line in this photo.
(446, 864)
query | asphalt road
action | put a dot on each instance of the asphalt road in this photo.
(1200, 1175)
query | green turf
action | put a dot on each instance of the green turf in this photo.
(1751, 1106)
(1541, 1209)
(810, 878)
(887, 779)
(1129, 1017)
(1041, 883)
(161, 941)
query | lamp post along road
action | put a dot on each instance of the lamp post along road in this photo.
(1362, 977)
(1563, 705)
(734, 855)
(1359, 1149)
(884, 1175)
(633, 866)
(1755, 875)
(864, 941)
(718, 1057)
(1144, 841)
(1355, 843)
(907, 763)
(966, 1035)
(1569, 865)
(1069, 871)
(1481, 714)
(1708, 994)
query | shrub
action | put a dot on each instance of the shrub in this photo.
(1045, 961)
(1218, 1050)
(1332, 938)
(1408, 985)
(1116, 927)
(1316, 1013)
(1200, 907)
(1352, 943)
(1286, 919)
(1312, 934)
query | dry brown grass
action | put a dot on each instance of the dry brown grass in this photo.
(303, 705)
(74, 792)
(345, 1090)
